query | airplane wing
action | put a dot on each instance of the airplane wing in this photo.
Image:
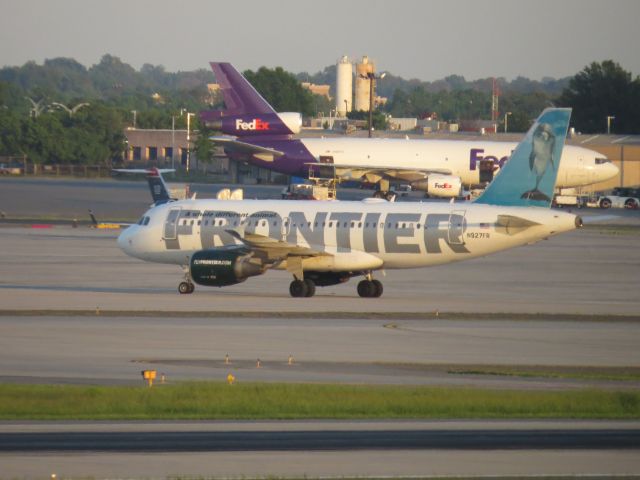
(232, 144)
(273, 251)
(371, 173)
(271, 248)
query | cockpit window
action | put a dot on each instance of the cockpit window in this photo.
(146, 220)
(600, 161)
(140, 221)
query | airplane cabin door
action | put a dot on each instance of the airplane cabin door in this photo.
(171, 224)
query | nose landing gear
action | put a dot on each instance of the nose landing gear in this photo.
(186, 286)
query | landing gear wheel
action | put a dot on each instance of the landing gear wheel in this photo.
(391, 196)
(366, 289)
(186, 287)
(370, 288)
(298, 288)
(311, 287)
(378, 288)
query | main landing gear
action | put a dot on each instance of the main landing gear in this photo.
(302, 288)
(389, 196)
(368, 288)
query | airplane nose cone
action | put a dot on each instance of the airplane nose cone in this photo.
(611, 171)
(125, 241)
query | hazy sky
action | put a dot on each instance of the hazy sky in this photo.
(413, 39)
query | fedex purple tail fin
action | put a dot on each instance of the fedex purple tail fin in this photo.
(239, 95)
(247, 114)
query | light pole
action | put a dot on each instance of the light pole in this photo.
(134, 118)
(70, 111)
(506, 116)
(371, 77)
(173, 142)
(189, 115)
(609, 118)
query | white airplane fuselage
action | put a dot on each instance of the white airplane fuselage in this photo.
(579, 166)
(347, 236)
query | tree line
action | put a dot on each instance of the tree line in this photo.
(63, 112)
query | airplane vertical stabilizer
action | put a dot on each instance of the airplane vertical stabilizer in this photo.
(529, 177)
(239, 95)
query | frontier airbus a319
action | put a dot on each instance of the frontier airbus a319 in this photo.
(257, 134)
(223, 242)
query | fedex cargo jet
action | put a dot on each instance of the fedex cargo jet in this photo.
(257, 134)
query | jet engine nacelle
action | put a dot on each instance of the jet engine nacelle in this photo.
(218, 267)
(446, 186)
(285, 123)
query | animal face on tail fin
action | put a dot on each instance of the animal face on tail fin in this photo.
(529, 177)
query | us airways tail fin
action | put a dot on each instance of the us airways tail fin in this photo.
(529, 177)
(157, 186)
(246, 113)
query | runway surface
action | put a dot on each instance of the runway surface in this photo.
(319, 448)
(484, 439)
(113, 350)
(584, 272)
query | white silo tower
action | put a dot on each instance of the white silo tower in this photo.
(363, 83)
(344, 86)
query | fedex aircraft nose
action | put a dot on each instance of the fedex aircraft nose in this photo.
(608, 170)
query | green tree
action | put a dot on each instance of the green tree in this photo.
(282, 90)
(379, 119)
(601, 90)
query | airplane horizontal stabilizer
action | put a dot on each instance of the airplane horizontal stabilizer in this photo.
(233, 145)
(511, 225)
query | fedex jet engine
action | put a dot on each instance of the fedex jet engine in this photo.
(218, 267)
(436, 185)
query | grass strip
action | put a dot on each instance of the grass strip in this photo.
(618, 374)
(262, 401)
(607, 229)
